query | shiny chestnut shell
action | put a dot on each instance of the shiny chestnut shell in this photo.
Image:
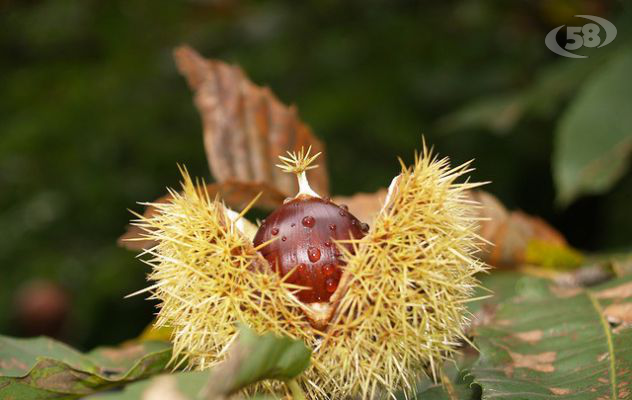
(304, 230)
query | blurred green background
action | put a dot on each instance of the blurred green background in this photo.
(94, 117)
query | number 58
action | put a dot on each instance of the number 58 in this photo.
(589, 37)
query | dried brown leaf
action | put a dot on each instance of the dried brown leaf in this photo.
(511, 232)
(364, 206)
(245, 126)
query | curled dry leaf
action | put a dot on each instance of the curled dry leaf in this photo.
(511, 233)
(245, 126)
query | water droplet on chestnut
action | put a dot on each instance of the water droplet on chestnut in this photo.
(313, 253)
(332, 227)
(331, 285)
(275, 231)
(308, 221)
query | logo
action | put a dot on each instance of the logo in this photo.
(582, 36)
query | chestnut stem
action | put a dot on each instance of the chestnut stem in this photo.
(303, 186)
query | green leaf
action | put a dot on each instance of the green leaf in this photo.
(456, 392)
(42, 368)
(594, 137)
(179, 385)
(497, 287)
(268, 357)
(456, 381)
(453, 392)
(552, 343)
(251, 359)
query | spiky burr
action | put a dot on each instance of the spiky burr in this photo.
(398, 309)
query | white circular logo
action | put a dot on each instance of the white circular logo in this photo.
(582, 36)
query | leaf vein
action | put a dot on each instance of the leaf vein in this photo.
(606, 327)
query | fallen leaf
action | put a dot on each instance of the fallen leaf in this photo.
(512, 235)
(250, 359)
(41, 368)
(576, 340)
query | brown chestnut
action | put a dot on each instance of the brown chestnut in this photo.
(304, 230)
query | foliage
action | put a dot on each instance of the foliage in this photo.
(546, 342)
(253, 359)
(594, 136)
(42, 368)
(537, 339)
